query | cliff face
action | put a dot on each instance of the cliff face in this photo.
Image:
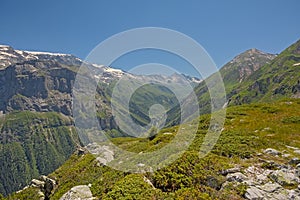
(27, 86)
(36, 81)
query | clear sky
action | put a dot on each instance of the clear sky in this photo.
(224, 28)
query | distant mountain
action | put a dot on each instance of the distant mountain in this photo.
(278, 79)
(37, 131)
(234, 73)
(242, 66)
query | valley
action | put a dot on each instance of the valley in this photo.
(257, 155)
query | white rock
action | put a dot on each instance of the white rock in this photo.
(271, 187)
(271, 151)
(253, 193)
(80, 192)
(37, 183)
(297, 151)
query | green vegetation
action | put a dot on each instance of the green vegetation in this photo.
(139, 105)
(249, 129)
(277, 80)
(32, 144)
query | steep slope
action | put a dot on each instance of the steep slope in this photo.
(240, 166)
(242, 66)
(278, 79)
(233, 73)
(32, 144)
(36, 100)
(42, 82)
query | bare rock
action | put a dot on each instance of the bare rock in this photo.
(80, 192)
(229, 171)
(236, 177)
(285, 177)
(272, 152)
(253, 193)
(37, 183)
(271, 187)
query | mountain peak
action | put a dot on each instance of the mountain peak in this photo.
(244, 64)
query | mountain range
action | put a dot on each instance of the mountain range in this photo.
(38, 134)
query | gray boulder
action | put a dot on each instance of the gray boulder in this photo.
(271, 187)
(253, 193)
(285, 177)
(80, 192)
(272, 152)
(236, 177)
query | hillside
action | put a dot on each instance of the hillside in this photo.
(256, 157)
(32, 144)
(278, 79)
(234, 74)
(37, 131)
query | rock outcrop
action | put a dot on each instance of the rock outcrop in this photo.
(45, 186)
(80, 192)
(277, 181)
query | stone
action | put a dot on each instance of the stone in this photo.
(141, 165)
(290, 147)
(286, 155)
(37, 183)
(297, 151)
(271, 187)
(282, 195)
(253, 193)
(229, 171)
(261, 178)
(272, 152)
(103, 153)
(80, 192)
(49, 186)
(236, 177)
(294, 161)
(293, 194)
(41, 195)
(285, 177)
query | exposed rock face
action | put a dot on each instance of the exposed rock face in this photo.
(243, 65)
(104, 154)
(285, 177)
(282, 181)
(45, 186)
(43, 82)
(80, 192)
(236, 177)
(26, 87)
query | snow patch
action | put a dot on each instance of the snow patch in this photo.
(4, 46)
(46, 53)
(8, 54)
(112, 70)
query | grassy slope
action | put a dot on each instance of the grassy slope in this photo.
(32, 144)
(248, 130)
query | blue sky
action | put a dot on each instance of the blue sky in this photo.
(223, 28)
